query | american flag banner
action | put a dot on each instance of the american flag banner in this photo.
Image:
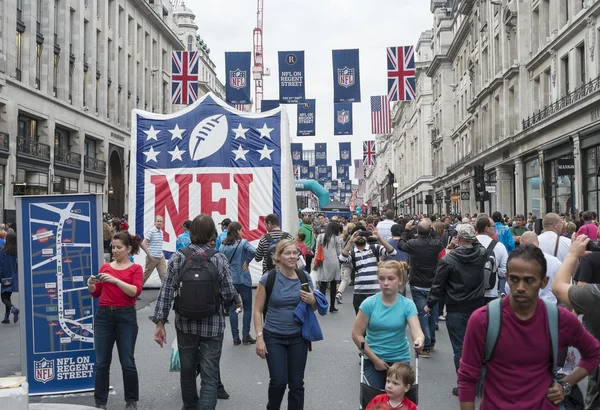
(184, 77)
(401, 73)
(369, 153)
(210, 159)
(359, 169)
(380, 115)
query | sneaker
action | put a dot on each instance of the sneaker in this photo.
(426, 354)
(6, 319)
(455, 391)
(333, 310)
(100, 406)
(432, 347)
(237, 341)
(15, 313)
(131, 405)
(442, 318)
(339, 297)
(222, 394)
(248, 340)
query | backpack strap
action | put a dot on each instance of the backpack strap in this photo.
(271, 276)
(556, 246)
(491, 247)
(494, 324)
(553, 326)
(301, 276)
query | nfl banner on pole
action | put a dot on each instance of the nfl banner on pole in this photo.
(304, 174)
(342, 170)
(321, 153)
(311, 172)
(296, 154)
(237, 73)
(346, 153)
(306, 118)
(348, 186)
(329, 172)
(342, 113)
(334, 185)
(322, 172)
(210, 159)
(346, 76)
(268, 105)
(291, 77)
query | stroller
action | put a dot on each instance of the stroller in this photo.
(368, 393)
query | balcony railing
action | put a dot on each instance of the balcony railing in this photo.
(66, 157)
(33, 149)
(458, 163)
(94, 165)
(4, 141)
(566, 101)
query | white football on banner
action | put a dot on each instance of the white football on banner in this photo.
(208, 136)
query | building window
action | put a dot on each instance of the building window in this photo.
(580, 69)
(27, 127)
(84, 88)
(90, 148)
(38, 19)
(71, 69)
(92, 188)
(564, 65)
(38, 65)
(55, 75)
(590, 194)
(559, 188)
(190, 43)
(19, 54)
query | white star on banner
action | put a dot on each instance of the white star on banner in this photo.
(265, 132)
(176, 132)
(151, 155)
(176, 154)
(240, 153)
(240, 132)
(152, 134)
(265, 152)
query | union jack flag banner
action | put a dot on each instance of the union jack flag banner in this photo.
(184, 77)
(380, 115)
(401, 73)
(369, 153)
(212, 159)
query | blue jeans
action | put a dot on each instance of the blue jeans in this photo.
(204, 353)
(120, 326)
(427, 321)
(286, 359)
(375, 378)
(456, 322)
(246, 294)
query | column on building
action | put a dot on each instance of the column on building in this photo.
(505, 189)
(519, 186)
(577, 156)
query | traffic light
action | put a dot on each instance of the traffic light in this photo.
(479, 183)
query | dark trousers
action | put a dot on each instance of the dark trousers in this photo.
(120, 326)
(6, 300)
(332, 291)
(204, 353)
(427, 321)
(456, 322)
(286, 360)
(246, 295)
(357, 299)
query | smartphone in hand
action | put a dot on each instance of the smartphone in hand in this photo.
(305, 287)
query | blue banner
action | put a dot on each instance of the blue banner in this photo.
(60, 247)
(296, 153)
(348, 186)
(329, 172)
(331, 195)
(267, 105)
(321, 153)
(291, 77)
(334, 185)
(342, 171)
(322, 172)
(346, 76)
(237, 77)
(346, 153)
(304, 174)
(307, 118)
(342, 197)
(342, 119)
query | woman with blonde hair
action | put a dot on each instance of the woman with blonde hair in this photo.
(383, 317)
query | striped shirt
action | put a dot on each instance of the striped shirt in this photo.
(365, 280)
(263, 246)
(154, 237)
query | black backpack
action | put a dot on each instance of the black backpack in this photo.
(198, 285)
(271, 246)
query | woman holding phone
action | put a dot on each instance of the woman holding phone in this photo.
(279, 339)
(117, 285)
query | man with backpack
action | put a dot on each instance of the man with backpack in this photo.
(198, 281)
(495, 267)
(459, 281)
(265, 251)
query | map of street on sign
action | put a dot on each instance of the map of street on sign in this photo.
(61, 263)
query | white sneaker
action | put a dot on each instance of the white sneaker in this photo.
(442, 318)
(339, 297)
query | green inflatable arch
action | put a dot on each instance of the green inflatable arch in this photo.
(316, 188)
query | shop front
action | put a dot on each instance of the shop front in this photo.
(532, 186)
(559, 177)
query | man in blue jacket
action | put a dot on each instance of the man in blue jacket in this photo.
(503, 232)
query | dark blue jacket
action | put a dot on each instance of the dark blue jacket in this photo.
(8, 270)
(311, 330)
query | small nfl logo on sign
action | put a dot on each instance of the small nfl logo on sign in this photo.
(346, 77)
(345, 155)
(43, 370)
(296, 155)
(237, 79)
(340, 170)
(304, 170)
(343, 117)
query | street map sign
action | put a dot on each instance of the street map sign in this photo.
(60, 246)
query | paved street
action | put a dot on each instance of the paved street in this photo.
(332, 375)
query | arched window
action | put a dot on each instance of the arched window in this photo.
(190, 43)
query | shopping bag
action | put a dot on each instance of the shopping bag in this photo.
(319, 257)
(174, 364)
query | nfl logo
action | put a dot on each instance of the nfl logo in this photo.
(304, 170)
(340, 170)
(296, 155)
(237, 79)
(346, 77)
(43, 370)
(343, 117)
(311, 175)
(345, 154)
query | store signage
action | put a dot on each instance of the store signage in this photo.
(465, 195)
(566, 166)
(490, 188)
(455, 198)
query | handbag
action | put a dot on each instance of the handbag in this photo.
(319, 256)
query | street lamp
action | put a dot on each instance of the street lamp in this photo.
(395, 185)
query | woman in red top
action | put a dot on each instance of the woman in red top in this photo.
(117, 285)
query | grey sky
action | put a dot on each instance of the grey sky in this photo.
(317, 27)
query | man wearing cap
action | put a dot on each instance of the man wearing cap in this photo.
(223, 234)
(459, 281)
(184, 240)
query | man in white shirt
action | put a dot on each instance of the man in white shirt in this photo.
(485, 230)
(384, 228)
(550, 241)
(552, 265)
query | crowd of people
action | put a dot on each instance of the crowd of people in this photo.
(529, 277)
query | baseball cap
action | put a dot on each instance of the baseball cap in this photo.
(187, 224)
(226, 222)
(466, 231)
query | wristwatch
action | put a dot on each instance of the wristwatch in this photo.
(259, 334)
(566, 387)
